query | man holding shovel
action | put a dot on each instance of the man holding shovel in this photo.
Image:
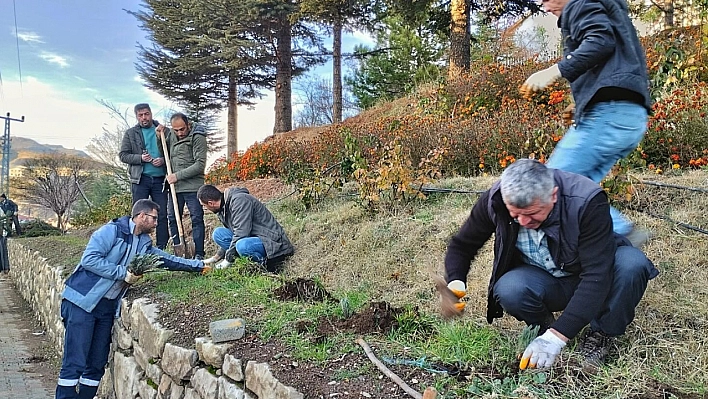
(186, 153)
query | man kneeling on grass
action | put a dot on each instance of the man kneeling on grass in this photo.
(554, 249)
(250, 230)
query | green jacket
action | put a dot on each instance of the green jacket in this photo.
(188, 158)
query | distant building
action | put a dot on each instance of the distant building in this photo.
(17, 171)
(540, 36)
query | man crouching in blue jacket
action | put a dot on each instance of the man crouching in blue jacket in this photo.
(93, 292)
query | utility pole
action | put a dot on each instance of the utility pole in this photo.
(5, 163)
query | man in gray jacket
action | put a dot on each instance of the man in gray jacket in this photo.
(146, 166)
(187, 146)
(250, 229)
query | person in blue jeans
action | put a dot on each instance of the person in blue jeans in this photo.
(554, 251)
(92, 295)
(146, 166)
(250, 229)
(187, 146)
(606, 67)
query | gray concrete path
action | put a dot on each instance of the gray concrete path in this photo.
(15, 379)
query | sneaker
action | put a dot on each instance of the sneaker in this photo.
(595, 346)
(199, 257)
(638, 237)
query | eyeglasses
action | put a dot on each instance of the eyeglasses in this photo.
(154, 218)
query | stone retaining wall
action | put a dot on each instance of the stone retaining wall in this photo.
(143, 364)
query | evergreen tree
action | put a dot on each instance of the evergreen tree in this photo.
(337, 15)
(405, 57)
(207, 55)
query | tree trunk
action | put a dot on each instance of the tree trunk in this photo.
(459, 39)
(668, 14)
(232, 123)
(283, 80)
(60, 224)
(337, 72)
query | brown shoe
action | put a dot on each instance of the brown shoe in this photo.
(594, 347)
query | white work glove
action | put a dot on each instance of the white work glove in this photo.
(450, 295)
(217, 257)
(540, 80)
(213, 259)
(131, 278)
(223, 264)
(542, 351)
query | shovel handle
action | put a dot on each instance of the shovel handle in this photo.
(178, 214)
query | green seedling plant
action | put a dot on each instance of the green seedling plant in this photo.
(142, 263)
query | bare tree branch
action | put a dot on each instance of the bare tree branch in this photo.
(53, 181)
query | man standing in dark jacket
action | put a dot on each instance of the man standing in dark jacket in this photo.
(146, 166)
(9, 208)
(606, 67)
(249, 230)
(554, 250)
(187, 146)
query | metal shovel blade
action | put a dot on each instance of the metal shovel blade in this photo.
(179, 250)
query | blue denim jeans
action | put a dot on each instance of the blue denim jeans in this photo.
(87, 344)
(251, 247)
(606, 133)
(530, 294)
(196, 214)
(153, 188)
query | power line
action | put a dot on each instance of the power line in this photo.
(17, 41)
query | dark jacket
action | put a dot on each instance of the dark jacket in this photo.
(8, 205)
(246, 216)
(104, 262)
(188, 158)
(601, 50)
(580, 238)
(131, 151)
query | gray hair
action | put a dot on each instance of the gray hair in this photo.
(144, 206)
(526, 181)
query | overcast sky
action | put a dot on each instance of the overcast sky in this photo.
(75, 52)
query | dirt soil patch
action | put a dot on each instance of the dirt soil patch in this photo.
(352, 374)
(303, 290)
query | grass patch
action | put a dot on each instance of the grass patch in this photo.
(391, 257)
(64, 250)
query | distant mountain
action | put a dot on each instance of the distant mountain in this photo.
(22, 148)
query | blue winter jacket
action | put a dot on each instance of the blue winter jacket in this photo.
(601, 50)
(105, 261)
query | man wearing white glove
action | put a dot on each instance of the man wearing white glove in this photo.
(554, 250)
(606, 67)
(92, 295)
(542, 351)
(250, 230)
